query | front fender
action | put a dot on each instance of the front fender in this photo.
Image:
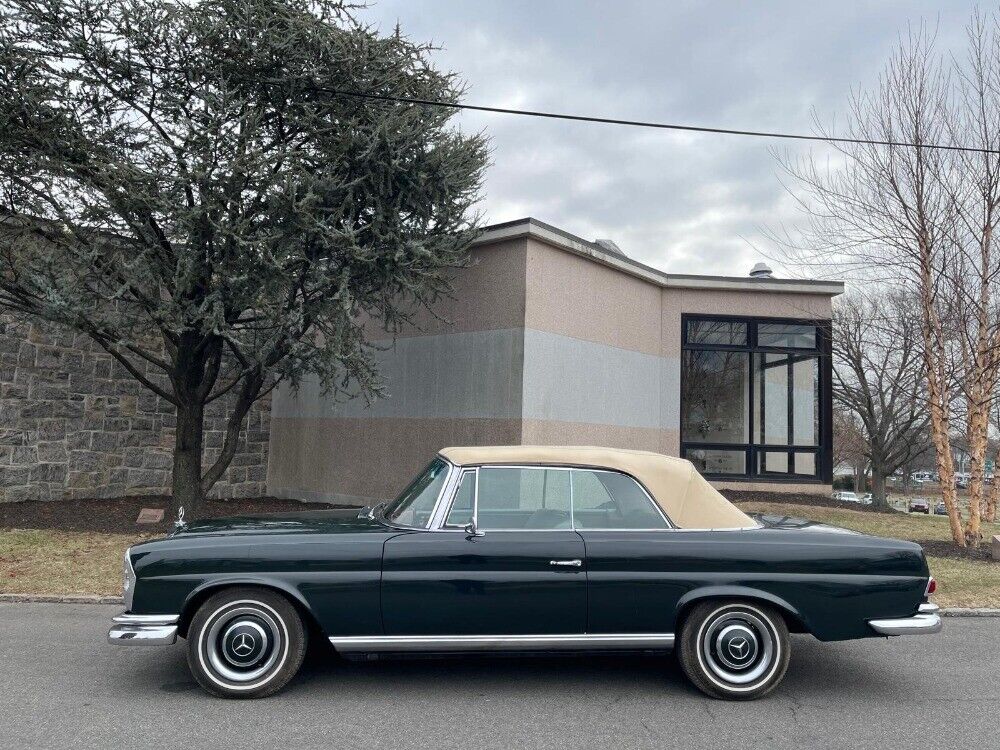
(204, 590)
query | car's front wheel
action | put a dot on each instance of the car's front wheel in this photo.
(734, 650)
(245, 643)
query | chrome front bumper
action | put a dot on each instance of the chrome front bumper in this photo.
(145, 630)
(926, 621)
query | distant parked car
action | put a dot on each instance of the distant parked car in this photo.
(940, 509)
(846, 497)
(920, 505)
(867, 498)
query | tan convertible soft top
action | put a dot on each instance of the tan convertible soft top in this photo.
(688, 500)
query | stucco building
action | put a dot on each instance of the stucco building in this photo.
(553, 339)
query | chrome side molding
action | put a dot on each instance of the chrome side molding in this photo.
(925, 622)
(401, 643)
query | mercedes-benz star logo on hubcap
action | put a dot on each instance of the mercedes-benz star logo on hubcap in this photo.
(243, 644)
(738, 647)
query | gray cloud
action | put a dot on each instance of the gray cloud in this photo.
(682, 202)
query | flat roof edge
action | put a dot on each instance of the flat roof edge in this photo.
(563, 240)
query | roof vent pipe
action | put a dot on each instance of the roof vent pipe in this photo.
(761, 271)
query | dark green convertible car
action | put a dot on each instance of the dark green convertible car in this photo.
(522, 549)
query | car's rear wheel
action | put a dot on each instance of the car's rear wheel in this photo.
(245, 643)
(734, 650)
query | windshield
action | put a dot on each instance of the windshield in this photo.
(414, 505)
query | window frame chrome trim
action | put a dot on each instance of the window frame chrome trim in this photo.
(445, 488)
(448, 496)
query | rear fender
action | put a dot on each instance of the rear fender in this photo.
(796, 621)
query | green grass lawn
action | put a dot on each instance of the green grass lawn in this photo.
(961, 583)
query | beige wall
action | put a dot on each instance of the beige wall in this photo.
(594, 359)
(487, 295)
(576, 297)
(357, 461)
(348, 453)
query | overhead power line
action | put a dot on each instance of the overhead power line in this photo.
(657, 125)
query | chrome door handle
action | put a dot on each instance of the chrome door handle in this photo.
(567, 563)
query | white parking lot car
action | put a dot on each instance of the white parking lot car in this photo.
(846, 497)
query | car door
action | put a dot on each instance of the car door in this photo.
(633, 587)
(521, 573)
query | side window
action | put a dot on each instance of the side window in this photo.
(523, 499)
(608, 500)
(460, 514)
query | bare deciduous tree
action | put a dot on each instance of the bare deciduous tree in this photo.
(877, 375)
(850, 448)
(923, 219)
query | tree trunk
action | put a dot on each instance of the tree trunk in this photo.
(977, 439)
(187, 489)
(990, 509)
(878, 489)
(938, 396)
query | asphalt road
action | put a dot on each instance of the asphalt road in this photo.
(63, 686)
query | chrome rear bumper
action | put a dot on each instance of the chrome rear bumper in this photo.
(145, 630)
(926, 621)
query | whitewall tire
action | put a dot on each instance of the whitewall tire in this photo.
(734, 650)
(245, 642)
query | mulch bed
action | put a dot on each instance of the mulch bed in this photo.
(939, 548)
(119, 515)
(745, 496)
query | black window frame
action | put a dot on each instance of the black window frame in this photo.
(823, 451)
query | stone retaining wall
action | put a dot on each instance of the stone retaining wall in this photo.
(74, 423)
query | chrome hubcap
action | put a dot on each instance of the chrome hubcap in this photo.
(738, 646)
(243, 643)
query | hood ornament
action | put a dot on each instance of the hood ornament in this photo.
(180, 523)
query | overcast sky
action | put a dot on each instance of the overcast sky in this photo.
(683, 203)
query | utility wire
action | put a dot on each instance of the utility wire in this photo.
(646, 124)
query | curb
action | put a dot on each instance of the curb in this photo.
(97, 599)
(60, 599)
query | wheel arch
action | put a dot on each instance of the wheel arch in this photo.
(794, 619)
(201, 593)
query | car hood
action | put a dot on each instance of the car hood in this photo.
(336, 520)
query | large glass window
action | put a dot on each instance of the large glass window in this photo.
(715, 396)
(751, 397)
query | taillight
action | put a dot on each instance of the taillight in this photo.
(931, 587)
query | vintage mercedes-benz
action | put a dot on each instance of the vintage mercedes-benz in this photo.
(522, 549)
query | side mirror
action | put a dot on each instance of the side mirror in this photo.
(472, 530)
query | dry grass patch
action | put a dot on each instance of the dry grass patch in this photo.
(34, 561)
(965, 583)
